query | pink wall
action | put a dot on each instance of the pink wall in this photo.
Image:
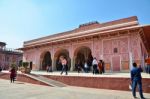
(100, 48)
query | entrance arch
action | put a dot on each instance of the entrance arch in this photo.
(81, 55)
(65, 53)
(45, 60)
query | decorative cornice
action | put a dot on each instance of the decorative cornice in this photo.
(78, 34)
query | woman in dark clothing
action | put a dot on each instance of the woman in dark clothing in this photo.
(12, 74)
(100, 66)
(78, 67)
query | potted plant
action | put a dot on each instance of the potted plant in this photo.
(13, 65)
(25, 67)
(20, 65)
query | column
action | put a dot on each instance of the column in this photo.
(53, 64)
(72, 64)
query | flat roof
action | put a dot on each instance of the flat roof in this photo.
(85, 29)
(92, 28)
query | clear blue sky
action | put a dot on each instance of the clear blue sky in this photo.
(22, 20)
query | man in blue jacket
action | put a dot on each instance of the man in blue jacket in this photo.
(136, 79)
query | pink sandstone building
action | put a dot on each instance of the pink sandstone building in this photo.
(117, 43)
(9, 56)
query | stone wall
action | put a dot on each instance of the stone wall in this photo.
(113, 50)
(113, 83)
(22, 78)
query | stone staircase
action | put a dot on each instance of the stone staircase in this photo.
(47, 81)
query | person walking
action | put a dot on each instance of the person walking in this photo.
(94, 64)
(78, 66)
(64, 65)
(12, 74)
(136, 79)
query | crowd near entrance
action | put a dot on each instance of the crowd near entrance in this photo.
(83, 56)
(82, 61)
(65, 54)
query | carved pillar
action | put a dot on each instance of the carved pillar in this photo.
(53, 60)
(53, 64)
(72, 64)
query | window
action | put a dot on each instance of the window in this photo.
(115, 50)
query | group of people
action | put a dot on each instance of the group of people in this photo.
(98, 67)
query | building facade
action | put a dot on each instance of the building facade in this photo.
(8, 56)
(117, 43)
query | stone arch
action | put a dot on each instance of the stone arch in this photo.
(83, 54)
(45, 60)
(61, 52)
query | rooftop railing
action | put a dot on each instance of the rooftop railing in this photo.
(11, 50)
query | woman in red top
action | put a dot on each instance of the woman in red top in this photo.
(12, 74)
(100, 66)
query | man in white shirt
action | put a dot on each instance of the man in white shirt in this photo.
(94, 64)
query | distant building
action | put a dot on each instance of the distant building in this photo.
(9, 56)
(117, 43)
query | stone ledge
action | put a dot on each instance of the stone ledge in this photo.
(22, 78)
(100, 82)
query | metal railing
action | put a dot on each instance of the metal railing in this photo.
(10, 50)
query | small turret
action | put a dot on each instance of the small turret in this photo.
(2, 45)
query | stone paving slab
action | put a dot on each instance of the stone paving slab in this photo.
(21, 90)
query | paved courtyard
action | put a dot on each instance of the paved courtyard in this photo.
(21, 90)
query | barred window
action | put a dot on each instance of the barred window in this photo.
(115, 50)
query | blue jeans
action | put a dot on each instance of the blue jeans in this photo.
(64, 68)
(94, 69)
(134, 85)
(148, 69)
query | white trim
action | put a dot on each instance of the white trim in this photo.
(101, 49)
(130, 60)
